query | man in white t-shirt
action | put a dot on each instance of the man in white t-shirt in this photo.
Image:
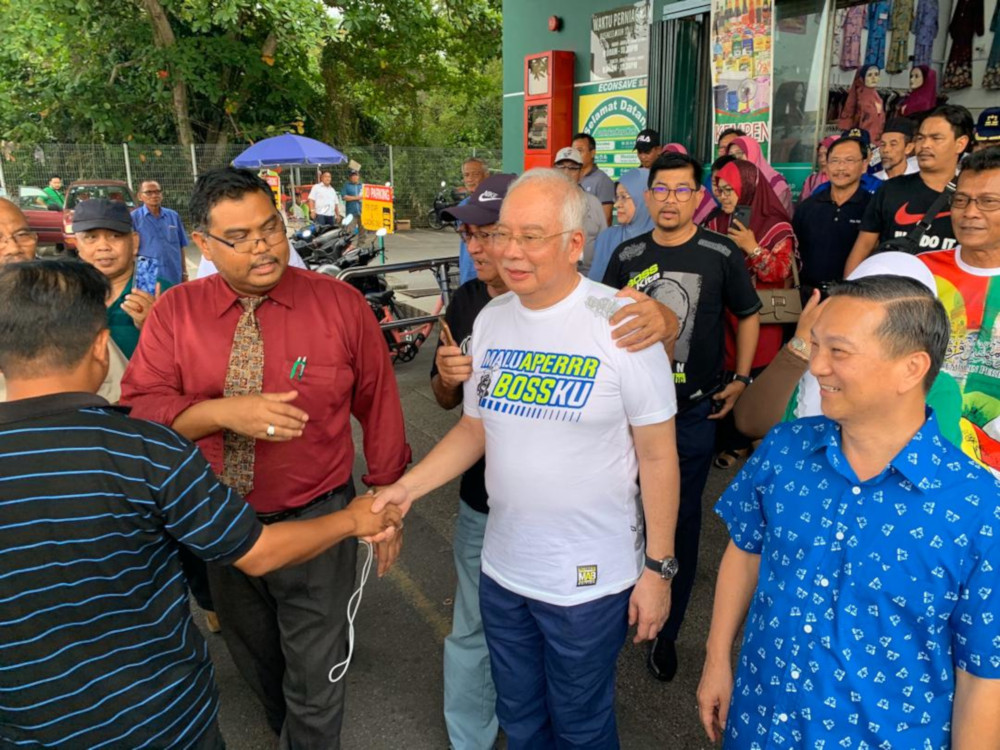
(324, 205)
(572, 426)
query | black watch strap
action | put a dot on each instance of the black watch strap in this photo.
(742, 379)
(666, 568)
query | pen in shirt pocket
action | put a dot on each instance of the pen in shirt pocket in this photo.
(298, 369)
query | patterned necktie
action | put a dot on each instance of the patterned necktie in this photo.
(245, 375)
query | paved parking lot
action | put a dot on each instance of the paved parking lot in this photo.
(395, 685)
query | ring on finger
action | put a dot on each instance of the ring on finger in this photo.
(270, 430)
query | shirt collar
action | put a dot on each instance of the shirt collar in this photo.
(918, 461)
(283, 293)
(826, 196)
(44, 406)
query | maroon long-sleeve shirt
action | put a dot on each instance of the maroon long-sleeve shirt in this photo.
(183, 355)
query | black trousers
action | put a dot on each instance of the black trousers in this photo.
(286, 629)
(695, 448)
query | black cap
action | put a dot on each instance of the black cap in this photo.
(351, 172)
(647, 140)
(902, 125)
(859, 136)
(100, 213)
(988, 126)
(483, 207)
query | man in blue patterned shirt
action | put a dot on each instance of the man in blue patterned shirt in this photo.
(865, 548)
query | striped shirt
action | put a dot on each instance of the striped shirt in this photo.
(97, 645)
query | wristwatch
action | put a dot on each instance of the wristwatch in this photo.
(742, 379)
(799, 347)
(666, 568)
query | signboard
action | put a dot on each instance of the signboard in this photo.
(376, 208)
(273, 182)
(614, 112)
(619, 42)
(742, 32)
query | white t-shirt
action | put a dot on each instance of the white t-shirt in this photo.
(557, 397)
(325, 198)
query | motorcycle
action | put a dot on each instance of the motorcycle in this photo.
(327, 245)
(444, 200)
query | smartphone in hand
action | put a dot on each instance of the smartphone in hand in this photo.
(742, 214)
(147, 270)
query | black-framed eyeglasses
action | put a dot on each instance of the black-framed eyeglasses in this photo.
(270, 238)
(569, 167)
(987, 203)
(723, 191)
(23, 238)
(661, 193)
(479, 235)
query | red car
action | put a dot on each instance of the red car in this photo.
(81, 190)
(46, 222)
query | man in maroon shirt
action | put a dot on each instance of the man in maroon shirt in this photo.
(324, 359)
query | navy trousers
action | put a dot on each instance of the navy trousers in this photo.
(554, 667)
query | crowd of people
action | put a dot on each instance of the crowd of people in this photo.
(196, 440)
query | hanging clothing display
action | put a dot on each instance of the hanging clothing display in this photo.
(854, 22)
(900, 22)
(838, 36)
(877, 23)
(966, 23)
(925, 28)
(991, 78)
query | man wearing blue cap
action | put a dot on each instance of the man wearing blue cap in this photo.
(987, 129)
(106, 240)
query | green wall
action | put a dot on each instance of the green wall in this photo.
(526, 31)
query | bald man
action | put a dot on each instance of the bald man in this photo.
(17, 241)
(18, 244)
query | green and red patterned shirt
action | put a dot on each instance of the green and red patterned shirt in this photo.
(972, 298)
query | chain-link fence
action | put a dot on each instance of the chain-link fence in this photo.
(416, 173)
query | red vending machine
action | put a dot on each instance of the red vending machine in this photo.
(548, 106)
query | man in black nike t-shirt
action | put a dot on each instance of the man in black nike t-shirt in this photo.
(944, 135)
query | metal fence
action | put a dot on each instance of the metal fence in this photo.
(416, 173)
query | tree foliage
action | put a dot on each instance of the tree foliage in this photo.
(210, 71)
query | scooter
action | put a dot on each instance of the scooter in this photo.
(442, 204)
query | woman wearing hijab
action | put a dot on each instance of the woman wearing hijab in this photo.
(923, 92)
(769, 248)
(818, 177)
(748, 149)
(786, 390)
(633, 219)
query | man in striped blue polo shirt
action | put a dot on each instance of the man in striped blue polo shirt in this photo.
(97, 645)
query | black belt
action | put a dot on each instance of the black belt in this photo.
(269, 518)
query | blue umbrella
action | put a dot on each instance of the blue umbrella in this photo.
(288, 149)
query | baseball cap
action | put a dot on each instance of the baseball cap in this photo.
(902, 125)
(568, 154)
(352, 172)
(100, 213)
(988, 126)
(646, 140)
(859, 135)
(483, 206)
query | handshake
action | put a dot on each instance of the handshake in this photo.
(379, 521)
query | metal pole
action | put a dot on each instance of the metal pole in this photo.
(3, 180)
(194, 163)
(392, 179)
(128, 167)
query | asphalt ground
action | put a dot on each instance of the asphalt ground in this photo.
(394, 685)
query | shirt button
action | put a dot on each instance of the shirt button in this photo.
(824, 582)
(839, 535)
(795, 674)
(782, 717)
(856, 490)
(808, 628)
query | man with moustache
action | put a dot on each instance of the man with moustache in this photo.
(944, 136)
(698, 274)
(474, 171)
(263, 366)
(896, 149)
(968, 282)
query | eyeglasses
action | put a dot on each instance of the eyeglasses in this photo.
(682, 194)
(270, 238)
(569, 167)
(622, 198)
(985, 203)
(525, 241)
(723, 191)
(24, 238)
(152, 192)
(845, 162)
(479, 236)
